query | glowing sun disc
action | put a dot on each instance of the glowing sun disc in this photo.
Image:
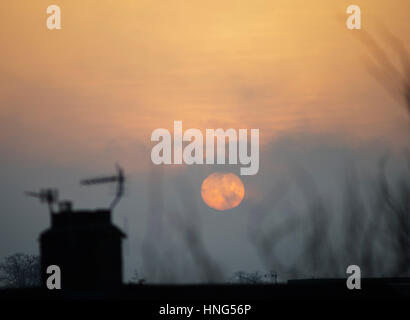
(222, 191)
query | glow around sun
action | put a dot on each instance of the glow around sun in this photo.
(222, 191)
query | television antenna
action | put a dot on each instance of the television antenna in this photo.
(119, 178)
(49, 196)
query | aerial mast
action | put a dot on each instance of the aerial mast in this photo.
(49, 196)
(119, 178)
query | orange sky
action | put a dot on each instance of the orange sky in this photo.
(119, 69)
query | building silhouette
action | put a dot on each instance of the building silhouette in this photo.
(86, 246)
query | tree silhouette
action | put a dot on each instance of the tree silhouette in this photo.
(20, 271)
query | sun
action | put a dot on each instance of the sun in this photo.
(222, 191)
